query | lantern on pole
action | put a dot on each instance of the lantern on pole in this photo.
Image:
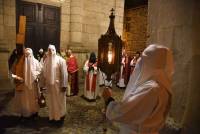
(109, 50)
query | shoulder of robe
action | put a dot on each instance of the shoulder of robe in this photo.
(87, 61)
(35, 60)
(150, 85)
(61, 60)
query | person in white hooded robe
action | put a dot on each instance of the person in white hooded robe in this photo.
(25, 101)
(147, 98)
(54, 77)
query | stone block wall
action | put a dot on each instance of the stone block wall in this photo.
(89, 19)
(7, 38)
(175, 24)
(96, 20)
(7, 24)
(135, 29)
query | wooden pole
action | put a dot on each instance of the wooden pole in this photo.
(20, 39)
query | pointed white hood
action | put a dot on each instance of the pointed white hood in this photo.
(156, 63)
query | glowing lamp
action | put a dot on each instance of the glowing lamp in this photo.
(110, 53)
(109, 50)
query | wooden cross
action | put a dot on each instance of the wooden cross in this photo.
(20, 39)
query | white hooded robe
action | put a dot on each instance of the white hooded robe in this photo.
(55, 77)
(25, 102)
(148, 94)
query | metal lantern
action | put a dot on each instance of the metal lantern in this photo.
(109, 50)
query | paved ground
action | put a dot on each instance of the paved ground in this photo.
(82, 118)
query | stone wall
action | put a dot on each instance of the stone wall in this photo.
(135, 29)
(96, 20)
(192, 116)
(7, 38)
(7, 24)
(90, 20)
(175, 24)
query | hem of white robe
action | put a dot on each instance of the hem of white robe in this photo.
(90, 95)
(121, 83)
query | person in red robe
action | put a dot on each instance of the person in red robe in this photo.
(90, 69)
(127, 69)
(72, 68)
(134, 60)
(124, 73)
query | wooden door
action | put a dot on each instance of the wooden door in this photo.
(43, 25)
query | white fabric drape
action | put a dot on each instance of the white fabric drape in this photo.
(55, 77)
(156, 62)
(32, 68)
(25, 102)
(147, 96)
(50, 66)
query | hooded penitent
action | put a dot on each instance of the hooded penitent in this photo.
(147, 97)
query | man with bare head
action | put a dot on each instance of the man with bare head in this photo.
(72, 68)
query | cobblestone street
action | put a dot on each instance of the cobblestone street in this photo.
(82, 118)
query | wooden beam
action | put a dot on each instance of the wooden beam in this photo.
(22, 24)
(20, 39)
